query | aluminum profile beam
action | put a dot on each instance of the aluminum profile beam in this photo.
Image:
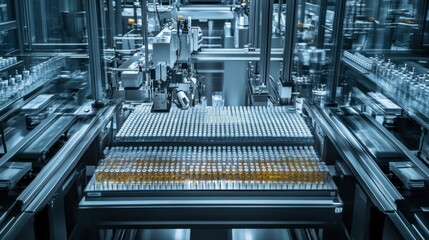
(288, 48)
(266, 36)
(96, 66)
(340, 10)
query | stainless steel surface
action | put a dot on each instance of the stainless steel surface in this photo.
(364, 99)
(206, 13)
(196, 201)
(261, 234)
(254, 23)
(235, 82)
(164, 51)
(24, 91)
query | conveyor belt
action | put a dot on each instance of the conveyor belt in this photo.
(368, 135)
(48, 137)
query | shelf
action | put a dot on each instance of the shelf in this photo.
(23, 95)
(415, 114)
(11, 66)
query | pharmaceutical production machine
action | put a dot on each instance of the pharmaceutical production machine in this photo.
(214, 119)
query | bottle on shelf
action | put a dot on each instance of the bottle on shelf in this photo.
(2, 93)
(26, 78)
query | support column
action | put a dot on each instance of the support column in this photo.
(288, 48)
(322, 22)
(97, 71)
(118, 16)
(143, 4)
(266, 36)
(111, 29)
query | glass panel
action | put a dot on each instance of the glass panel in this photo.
(7, 42)
(380, 24)
(56, 21)
(5, 14)
(311, 53)
(381, 44)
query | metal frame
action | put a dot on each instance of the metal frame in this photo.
(266, 36)
(5, 26)
(143, 5)
(118, 17)
(422, 13)
(229, 54)
(354, 160)
(55, 179)
(254, 23)
(322, 22)
(96, 66)
(3, 139)
(193, 212)
(111, 30)
(340, 10)
(279, 16)
(40, 14)
(19, 24)
(26, 25)
(288, 49)
(376, 185)
(11, 25)
(65, 161)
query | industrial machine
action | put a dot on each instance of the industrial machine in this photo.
(228, 119)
